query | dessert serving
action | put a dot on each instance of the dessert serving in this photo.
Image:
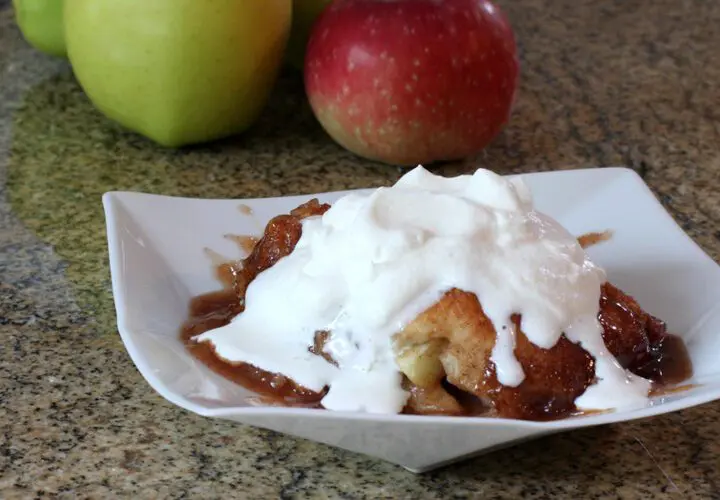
(449, 296)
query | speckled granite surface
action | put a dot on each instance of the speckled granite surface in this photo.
(628, 82)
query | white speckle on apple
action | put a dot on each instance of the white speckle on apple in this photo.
(418, 102)
(373, 32)
(346, 89)
(427, 50)
(393, 107)
(350, 66)
(376, 82)
(416, 62)
(414, 77)
(384, 93)
(408, 87)
(383, 55)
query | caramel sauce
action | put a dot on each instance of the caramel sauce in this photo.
(664, 390)
(638, 340)
(216, 259)
(587, 413)
(669, 363)
(245, 209)
(245, 242)
(589, 239)
(216, 309)
(666, 363)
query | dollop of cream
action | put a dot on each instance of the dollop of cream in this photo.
(373, 262)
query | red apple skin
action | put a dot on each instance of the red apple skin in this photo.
(412, 81)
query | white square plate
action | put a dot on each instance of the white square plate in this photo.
(157, 261)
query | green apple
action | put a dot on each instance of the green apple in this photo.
(41, 23)
(178, 71)
(304, 14)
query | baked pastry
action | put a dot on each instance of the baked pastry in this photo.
(446, 356)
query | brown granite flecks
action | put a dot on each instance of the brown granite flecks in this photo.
(603, 83)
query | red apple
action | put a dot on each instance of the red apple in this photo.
(412, 81)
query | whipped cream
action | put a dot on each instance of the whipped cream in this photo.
(373, 262)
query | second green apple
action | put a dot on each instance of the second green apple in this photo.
(41, 23)
(178, 71)
(305, 12)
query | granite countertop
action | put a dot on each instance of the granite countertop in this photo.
(628, 82)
